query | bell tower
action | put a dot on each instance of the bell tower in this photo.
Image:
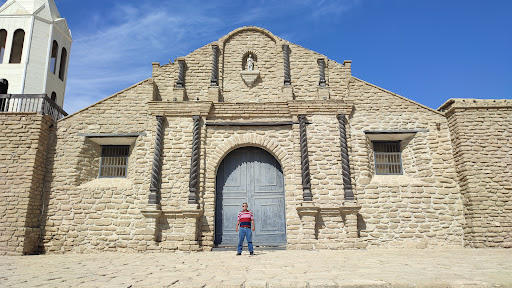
(35, 44)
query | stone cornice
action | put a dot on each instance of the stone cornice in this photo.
(326, 107)
(180, 109)
(220, 110)
(460, 103)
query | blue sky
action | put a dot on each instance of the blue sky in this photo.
(426, 50)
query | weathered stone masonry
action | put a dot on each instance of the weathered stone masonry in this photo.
(318, 121)
(482, 140)
(23, 149)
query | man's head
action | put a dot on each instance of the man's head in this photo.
(245, 206)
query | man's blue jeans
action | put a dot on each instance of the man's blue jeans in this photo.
(244, 232)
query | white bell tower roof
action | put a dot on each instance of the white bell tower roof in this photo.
(18, 7)
(45, 9)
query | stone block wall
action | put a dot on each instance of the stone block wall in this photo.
(23, 149)
(422, 207)
(481, 133)
(84, 213)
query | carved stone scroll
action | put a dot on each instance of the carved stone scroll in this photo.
(287, 76)
(215, 66)
(306, 177)
(180, 83)
(194, 162)
(321, 68)
(157, 164)
(347, 179)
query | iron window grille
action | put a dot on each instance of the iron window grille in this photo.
(388, 158)
(114, 161)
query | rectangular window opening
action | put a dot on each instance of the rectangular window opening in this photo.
(388, 158)
(114, 161)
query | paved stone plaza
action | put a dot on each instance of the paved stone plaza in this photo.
(352, 268)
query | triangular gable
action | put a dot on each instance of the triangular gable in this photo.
(44, 12)
(13, 8)
(62, 26)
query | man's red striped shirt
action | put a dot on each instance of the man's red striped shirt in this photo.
(245, 218)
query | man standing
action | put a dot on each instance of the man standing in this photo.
(246, 222)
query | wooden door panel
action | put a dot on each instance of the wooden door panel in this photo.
(254, 176)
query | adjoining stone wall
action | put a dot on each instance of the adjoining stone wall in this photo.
(482, 140)
(422, 207)
(85, 213)
(23, 149)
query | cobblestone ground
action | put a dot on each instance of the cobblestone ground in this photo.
(354, 268)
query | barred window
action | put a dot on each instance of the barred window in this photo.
(114, 161)
(388, 159)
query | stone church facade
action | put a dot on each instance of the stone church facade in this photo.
(324, 159)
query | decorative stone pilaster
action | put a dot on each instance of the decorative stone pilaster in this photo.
(306, 177)
(345, 165)
(308, 213)
(154, 197)
(153, 211)
(215, 66)
(180, 83)
(194, 162)
(152, 215)
(214, 94)
(321, 69)
(287, 75)
(350, 212)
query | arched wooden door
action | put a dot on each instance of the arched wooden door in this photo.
(254, 176)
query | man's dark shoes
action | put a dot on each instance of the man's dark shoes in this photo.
(252, 253)
(238, 254)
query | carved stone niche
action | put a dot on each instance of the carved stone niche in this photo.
(249, 72)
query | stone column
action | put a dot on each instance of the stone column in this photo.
(347, 178)
(287, 76)
(153, 211)
(194, 162)
(215, 66)
(154, 197)
(304, 158)
(321, 69)
(180, 83)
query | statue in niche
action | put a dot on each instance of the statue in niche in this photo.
(249, 73)
(250, 63)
